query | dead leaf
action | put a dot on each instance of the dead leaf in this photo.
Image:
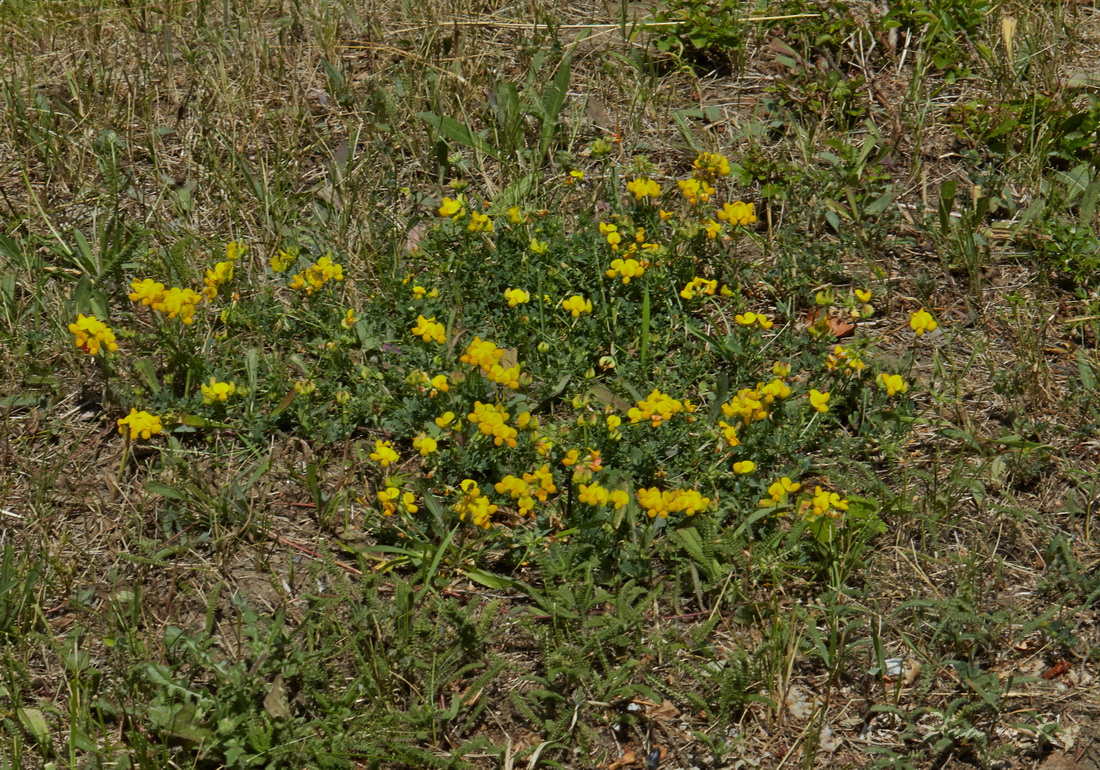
(1056, 670)
(275, 702)
(665, 712)
(625, 760)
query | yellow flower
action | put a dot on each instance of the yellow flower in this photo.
(819, 400)
(480, 223)
(147, 292)
(222, 273)
(516, 215)
(738, 213)
(593, 494)
(613, 422)
(781, 369)
(862, 295)
(710, 165)
(618, 499)
(729, 433)
(384, 453)
(577, 305)
(349, 319)
(744, 466)
(698, 286)
(179, 303)
(664, 215)
(780, 490)
(892, 383)
(217, 391)
(695, 190)
(571, 457)
(419, 292)
(428, 330)
(139, 425)
(574, 176)
(745, 319)
(408, 500)
(283, 259)
(922, 321)
(92, 335)
(626, 269)
(538, 247)
(387, 498)
(644, 188)
(439, 385)
(453, 209)
(445, 419)
(517, 297)
(474, 505)
(425, 445)
(826, 504)
(712, 229)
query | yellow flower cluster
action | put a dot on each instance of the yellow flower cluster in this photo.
(779, 491)
(658, 407)
(429, 330)
(390, 497)
(384, 453)
(577, 305)
(824, 503)
(537, 485)
(139, 425)
(612, 234)
(487, 356)
(283, 259)
(626, 269)
(819, 400)
(922, 321)
(92, 335)
(425, 445)
(747, 405)
(474, 504)
(317, 275)
(172, 302)
(517, 297)
(853, 364)
(658, 503)
(892, 383)
(738, 213)
(695, 190)
(492, 420)
(480, 223)
(217, 391)
(750, 318)
(222, 273)
(419, 293)
(698, 287)
(598, 496)
(453, 209)
(711, 165)
(644, 188)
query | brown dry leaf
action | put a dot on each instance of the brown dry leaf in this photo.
(666, 711)
(625, 760)
(1056, 670)
(839, 328)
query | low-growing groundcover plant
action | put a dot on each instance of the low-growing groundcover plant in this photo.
(613, 388)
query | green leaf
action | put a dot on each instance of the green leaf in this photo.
(452, 130)
(494, 581)
(34, 722)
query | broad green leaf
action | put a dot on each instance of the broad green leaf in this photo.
(450, 129)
